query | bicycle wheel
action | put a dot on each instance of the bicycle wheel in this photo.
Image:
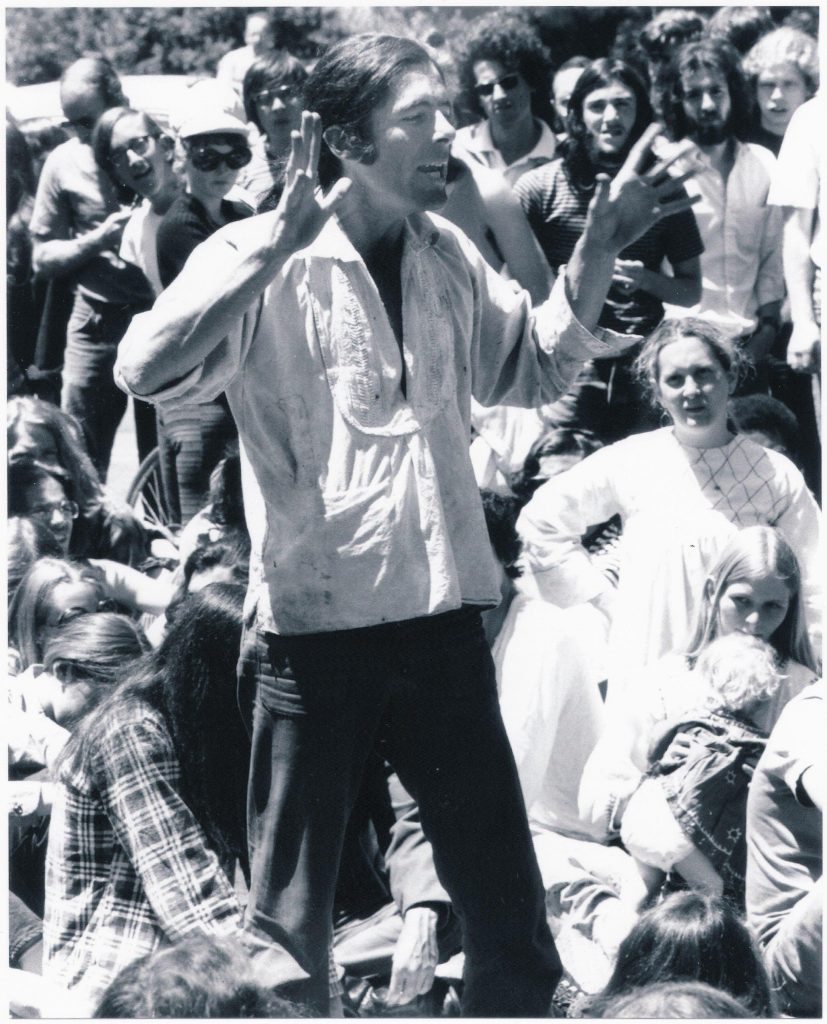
(146, 495)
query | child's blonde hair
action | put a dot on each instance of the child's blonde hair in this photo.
(739, 670)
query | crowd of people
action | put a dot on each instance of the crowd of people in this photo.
(472, 663)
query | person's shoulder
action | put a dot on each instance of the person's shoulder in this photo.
(808, 118)
(780, 466)
(64, 157)
(638, 444)
(183, 207)
(757, 156)
(131, 729)
(541, 179)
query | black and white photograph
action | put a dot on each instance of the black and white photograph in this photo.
(413, 511)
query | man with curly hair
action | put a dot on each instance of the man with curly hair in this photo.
(504, 74)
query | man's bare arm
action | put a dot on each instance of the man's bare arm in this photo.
(56, 256)
(799, 272)
(181, 331)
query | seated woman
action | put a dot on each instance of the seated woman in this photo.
(38, 432)
(44, 495)
(147, 822)
(754, 587)
(681, 493)
(83, 660)
(690, 937)
(27, 540)
(52, 592)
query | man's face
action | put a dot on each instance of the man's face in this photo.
(279, 109)
(562, 88)
(502, 93)
(411, 136)
(258, 35)
(706, 105)
(609, 115)
(82, 105)
(781, 90)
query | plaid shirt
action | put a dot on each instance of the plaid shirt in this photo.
(128, 865)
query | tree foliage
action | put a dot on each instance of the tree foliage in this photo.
(42, 41)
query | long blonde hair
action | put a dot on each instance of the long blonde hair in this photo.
(754, 553)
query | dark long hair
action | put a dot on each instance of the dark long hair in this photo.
(708, 54)
(600, 73)
(102, 139)
(190, 679)
(349, 82)
(692, 937)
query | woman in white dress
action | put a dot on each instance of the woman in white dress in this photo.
(681, 493)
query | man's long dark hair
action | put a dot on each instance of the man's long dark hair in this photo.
(708, 54)
(349, 82)
(599, 74)
(191, 680)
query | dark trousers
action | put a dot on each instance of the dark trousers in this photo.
(192, 440)
(89, 390)
(426, 688)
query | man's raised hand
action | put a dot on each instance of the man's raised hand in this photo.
(303, 211)
(626, 206)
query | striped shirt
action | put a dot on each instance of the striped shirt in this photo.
(128, 865)
(557, 211)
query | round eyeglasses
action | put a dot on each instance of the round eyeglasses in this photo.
(43, 513)
(139, 146)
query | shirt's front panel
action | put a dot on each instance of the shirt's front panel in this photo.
(741, 263)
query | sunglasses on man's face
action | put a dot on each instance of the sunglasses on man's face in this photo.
(205, 158)
(283, 92)
(507, 82)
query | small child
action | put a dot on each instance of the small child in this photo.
(689, 812)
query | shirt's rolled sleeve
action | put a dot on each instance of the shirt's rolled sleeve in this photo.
(176, 314)
(527, 357)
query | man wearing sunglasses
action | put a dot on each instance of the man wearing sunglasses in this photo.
(504, 73)
(78, 217)
(349, 348)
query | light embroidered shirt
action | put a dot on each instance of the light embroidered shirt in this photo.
(360, 500)
(741, 266)
(475, 143)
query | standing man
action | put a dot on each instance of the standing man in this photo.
(742, 275)
(504, 73)
(349, 348)
(258, 42)
(76, 229)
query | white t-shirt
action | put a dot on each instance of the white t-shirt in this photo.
(138, 243)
